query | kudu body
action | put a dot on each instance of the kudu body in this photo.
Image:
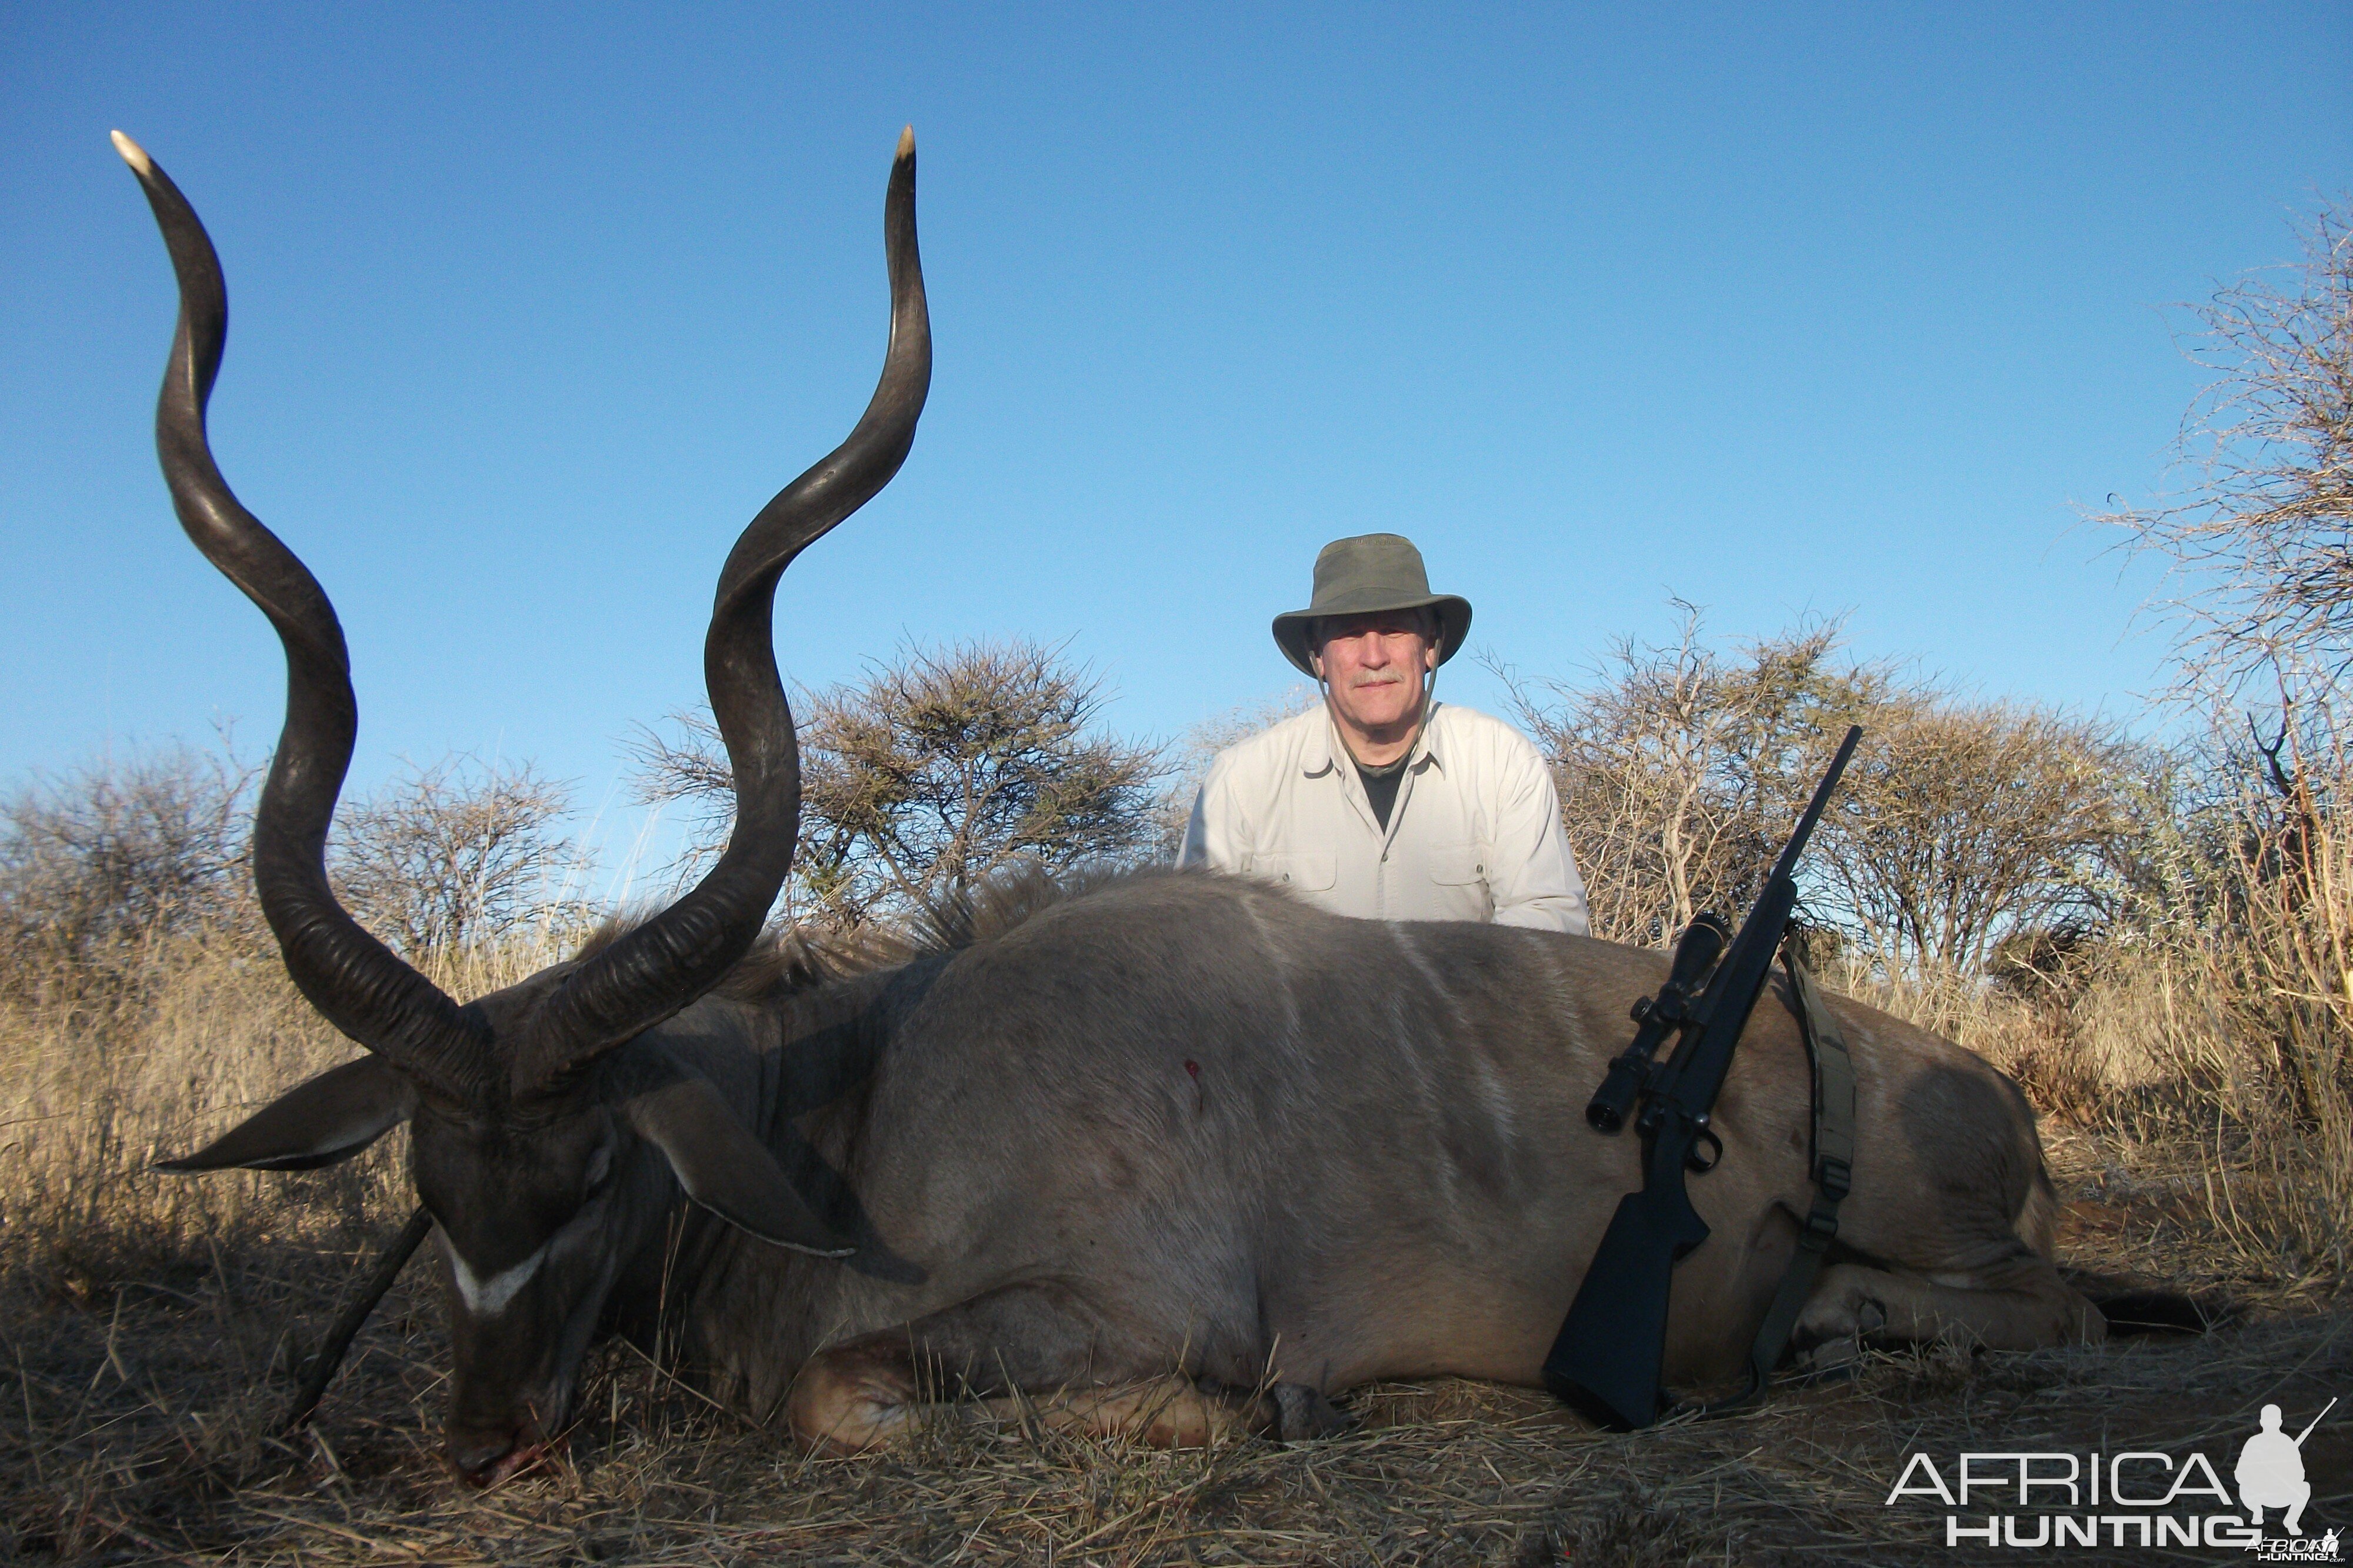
(1169, 1153)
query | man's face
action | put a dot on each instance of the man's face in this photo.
(1375, 664)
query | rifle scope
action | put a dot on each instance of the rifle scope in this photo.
(1696, 952)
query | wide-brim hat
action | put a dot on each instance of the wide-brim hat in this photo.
(1357, 576)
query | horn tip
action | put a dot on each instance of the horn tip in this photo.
(142, 165)
(906, 143)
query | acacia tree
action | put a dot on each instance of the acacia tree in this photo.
(1680, 767)
(2262, 535)
(93, 862)
(932, 775)
(451, 853)
(2261, 538)
(1962, 823)
(98, 858)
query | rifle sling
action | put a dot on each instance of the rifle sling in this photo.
(1833, 1166)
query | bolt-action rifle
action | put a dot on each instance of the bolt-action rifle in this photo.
(1607, 1358)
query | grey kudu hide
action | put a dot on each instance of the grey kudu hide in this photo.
(1170, 1153)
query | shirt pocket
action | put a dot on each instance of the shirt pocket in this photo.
(1309, 870)
(1457, 865)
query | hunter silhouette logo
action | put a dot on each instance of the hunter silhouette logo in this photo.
(2271, 1471)
(2143, 1498)
(2270, 1475)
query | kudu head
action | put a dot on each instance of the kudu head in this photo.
(544, 1148)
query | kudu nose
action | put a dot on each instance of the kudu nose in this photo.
(484, 1455)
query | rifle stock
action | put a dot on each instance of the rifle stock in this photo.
(1605, 1361)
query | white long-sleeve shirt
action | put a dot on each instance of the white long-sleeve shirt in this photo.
(1474, 834)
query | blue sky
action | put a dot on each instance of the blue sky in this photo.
(1786, 311)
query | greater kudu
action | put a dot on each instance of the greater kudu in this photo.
(1125, 1154)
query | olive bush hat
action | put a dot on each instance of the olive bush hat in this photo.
(1371, 571)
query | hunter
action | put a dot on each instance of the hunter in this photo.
(1380, 802)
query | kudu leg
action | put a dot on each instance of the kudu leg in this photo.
(2019, 1305)
(1027, 1354)
(1175, 1412)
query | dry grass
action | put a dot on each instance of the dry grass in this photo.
(151, 1326)
(140, 1433)
(160, 1050)
(2219, 1055)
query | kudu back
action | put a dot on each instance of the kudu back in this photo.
(1168, 1154)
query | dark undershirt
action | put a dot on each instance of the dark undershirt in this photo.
(1381, 788)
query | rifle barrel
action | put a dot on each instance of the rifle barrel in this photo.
(1787, 864)
(2325, 1410)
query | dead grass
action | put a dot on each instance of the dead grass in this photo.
(139, 1433)
(171, 1044)
(2195, 1057)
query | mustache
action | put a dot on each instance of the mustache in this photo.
(1376, 678)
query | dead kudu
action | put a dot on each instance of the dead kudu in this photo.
(1170, 1153)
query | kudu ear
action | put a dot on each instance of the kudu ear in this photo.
(727, 1170)
(332, 1117)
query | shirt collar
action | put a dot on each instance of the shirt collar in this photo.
(1324, 745)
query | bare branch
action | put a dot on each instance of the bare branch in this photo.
(1679, 767)
(96, 861)
(456, 852)
(2261, 536)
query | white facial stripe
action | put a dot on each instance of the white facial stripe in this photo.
(488, 1297)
